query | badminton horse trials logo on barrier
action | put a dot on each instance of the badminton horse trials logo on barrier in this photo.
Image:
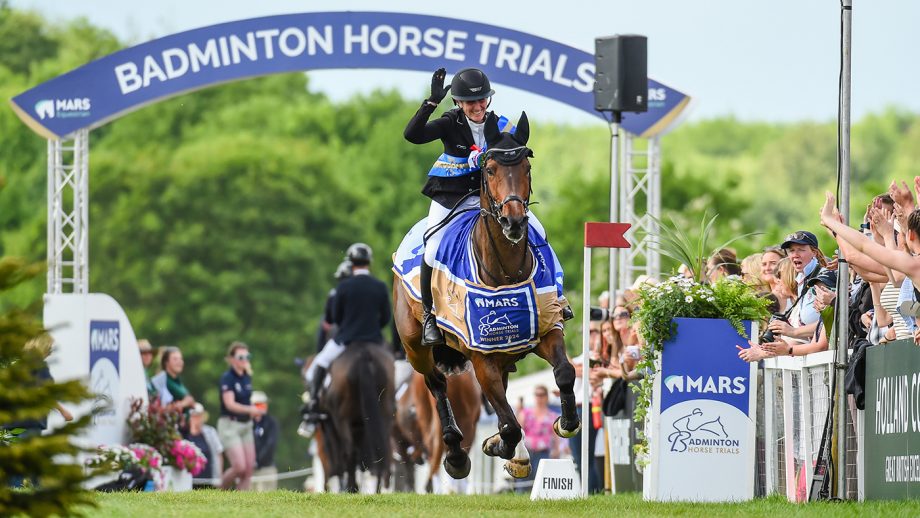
(697, 432)
(502, 318)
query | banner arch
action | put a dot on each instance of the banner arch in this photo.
(115, 85)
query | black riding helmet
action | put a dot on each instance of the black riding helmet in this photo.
(470, 84)
(359, 254)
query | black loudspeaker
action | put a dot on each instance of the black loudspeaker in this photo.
(621, 73)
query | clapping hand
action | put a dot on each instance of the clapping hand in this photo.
(902, 195)
(882, 219)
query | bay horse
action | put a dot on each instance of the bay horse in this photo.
(418, 430)
(503, 257)
(360, 404)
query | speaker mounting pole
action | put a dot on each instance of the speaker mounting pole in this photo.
(614, 255)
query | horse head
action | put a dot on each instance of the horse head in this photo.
(505, 193)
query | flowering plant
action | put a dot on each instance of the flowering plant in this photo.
(150, 460)
(113, 458)
(185, 455)
(155, 425)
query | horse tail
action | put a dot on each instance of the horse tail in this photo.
(372, 384)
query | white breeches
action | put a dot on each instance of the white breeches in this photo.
(324, 359)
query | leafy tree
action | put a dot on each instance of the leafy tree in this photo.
(43, 463)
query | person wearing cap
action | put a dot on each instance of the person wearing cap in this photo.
(265, 432)
(455, 177)
(147, 353)
(203, 435)
(807, 259)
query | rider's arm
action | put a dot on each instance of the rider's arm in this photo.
(420, 131)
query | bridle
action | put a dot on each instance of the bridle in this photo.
(509, 156)
(512, 156)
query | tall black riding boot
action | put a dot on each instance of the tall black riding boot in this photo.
(431, 335)
(312, 413)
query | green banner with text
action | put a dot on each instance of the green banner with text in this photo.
(892, 442)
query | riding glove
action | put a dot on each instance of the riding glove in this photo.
(438, 91)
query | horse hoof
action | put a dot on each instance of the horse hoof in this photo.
(518, 468)
(492, 445)
(458, 472)
(562, 432)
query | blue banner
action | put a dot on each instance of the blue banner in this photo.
(112, 86)
(104, 364)
(701, 362)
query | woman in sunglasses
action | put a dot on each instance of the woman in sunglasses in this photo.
(236, 412)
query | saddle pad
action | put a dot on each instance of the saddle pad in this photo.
(463, 303)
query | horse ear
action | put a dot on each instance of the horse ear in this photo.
(492, 134)
(522, 133)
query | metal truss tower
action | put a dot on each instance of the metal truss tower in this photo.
(68, 214)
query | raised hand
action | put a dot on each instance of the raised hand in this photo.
(902, 195)
(829, 210)
(438, 91)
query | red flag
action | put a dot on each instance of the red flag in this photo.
(606, 235)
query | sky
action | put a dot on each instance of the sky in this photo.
(757, 61)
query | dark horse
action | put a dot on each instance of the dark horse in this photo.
(359, 401)
(503, 258)
(418, 430)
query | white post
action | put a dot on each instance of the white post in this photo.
(585, 385)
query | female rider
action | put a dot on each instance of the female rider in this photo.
(455, 176)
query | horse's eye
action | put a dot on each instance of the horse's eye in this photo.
(490, 171)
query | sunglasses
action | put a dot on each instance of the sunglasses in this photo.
(243, 357)
(621, 314)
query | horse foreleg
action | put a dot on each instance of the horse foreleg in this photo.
(457, 463)
(552, 349)
(490, 377)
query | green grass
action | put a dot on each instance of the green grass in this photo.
(214, 503)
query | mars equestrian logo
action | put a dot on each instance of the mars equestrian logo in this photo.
(63, 108)
(699, 433)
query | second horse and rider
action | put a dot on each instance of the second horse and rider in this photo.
(476, 282)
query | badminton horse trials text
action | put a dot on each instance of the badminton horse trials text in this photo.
(381, 40)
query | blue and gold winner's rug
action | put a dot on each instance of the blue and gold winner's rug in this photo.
(508, 318)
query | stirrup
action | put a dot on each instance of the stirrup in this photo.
(431, 334)
(567, 313)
